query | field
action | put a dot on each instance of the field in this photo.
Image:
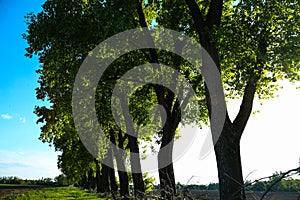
(8, 192)
(214, 195)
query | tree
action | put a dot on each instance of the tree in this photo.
(253, 44)
(53, 36)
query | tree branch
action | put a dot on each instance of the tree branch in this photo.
(197, 16)
(246, 107)
(214, 13)
(153, 58)
(279, 179)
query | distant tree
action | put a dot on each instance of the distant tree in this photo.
(61, 179)
(53, 35)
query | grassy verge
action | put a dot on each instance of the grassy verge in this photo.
(54, 193)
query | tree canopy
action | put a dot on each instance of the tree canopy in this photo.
(254, 44)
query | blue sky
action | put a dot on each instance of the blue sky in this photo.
(21, 153)
(270, 142)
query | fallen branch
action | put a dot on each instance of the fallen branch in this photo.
(278, 180)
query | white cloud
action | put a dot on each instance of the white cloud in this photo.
(28, 164)
(22, 119)
(6, 116)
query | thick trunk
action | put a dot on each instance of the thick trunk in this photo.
(166, 172)
(167, 182)
(227, 151)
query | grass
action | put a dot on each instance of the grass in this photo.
(54, 193)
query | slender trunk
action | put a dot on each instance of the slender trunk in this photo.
(138, 182)
(105, 178)
(124, 184)
(227, 151)
(135, 161)
(100, 188)
(111, 173)
(122, 173)
(84, 183)
(102, 178)
(91, 181)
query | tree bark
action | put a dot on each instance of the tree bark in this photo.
(227, 151)
(166, 173)
(102, 178)
(91, 181)
(122, 173)
(111, 173)
(135, 161)
(138, 182)
(100, 188)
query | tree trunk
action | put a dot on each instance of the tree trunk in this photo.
(167, 182)
(138, 182)
(166, 173)
(123, 176)
(124, 184)
(112, 180)
(105, 178)
(135, 161)
(227, 151)
(91, 181)
(111, 171)
(100, 188)
(102, 178)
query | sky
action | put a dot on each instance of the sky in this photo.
(21, 153)
(270, 142)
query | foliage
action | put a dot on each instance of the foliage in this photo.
(211, 186)
(53, 35)
(255, 44)
(258, 41)
(16, 180)
(285, 185)
(62, 180)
